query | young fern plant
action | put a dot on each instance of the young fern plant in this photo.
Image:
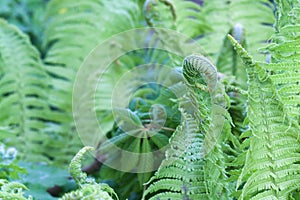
(12, 190)
(89, 189)
(194, 167)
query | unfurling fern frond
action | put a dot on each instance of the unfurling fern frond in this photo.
(272, 169)
(75, 166)
(182, 15)
(89, 189)
(23, 92)
(194, 165)
(12, 190)
(216, 130)
(197, 69)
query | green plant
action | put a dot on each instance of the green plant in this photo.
(12, 190)
(231, 121)
(89, 189)
(9, 168)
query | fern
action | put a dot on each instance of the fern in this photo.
(193, 166)
(255, 16)
(89, 189)
(73, 30)
(23, 93)
(183, 16)
(12, 190)
(180, 175)
(285, 50)
(271, 168)
(195, 67)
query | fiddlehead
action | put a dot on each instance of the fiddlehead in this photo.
(185, 173)
(12, 190)
(75, 166)
(195, 65)
(89, 189)
(198, 70)
(150, 4)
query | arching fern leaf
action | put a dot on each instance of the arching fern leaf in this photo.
(73, 30)
(272, 167)
(23, 93)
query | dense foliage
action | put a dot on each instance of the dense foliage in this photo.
(228, 113)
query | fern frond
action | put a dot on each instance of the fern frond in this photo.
(75, 166)
(197, 67)
(183, 16)
(193, 165)
(272, 167)
(89, 189)
(182, 170)
(73, 30)
(285, 49)
(255, 16)
(23, 92)
(12, 190)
